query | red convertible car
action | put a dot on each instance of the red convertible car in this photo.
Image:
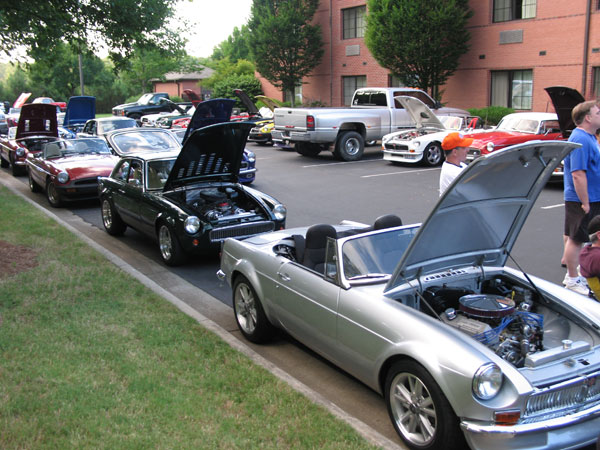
(37, 125)
(69, 169)
(514, 129)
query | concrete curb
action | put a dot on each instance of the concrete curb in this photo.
(363, 429)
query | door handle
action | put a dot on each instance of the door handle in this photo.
(284, 276)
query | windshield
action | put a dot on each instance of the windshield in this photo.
(145, 140)
(451, 122)
(144, 99)
(516, 123)
(110, 125)
(70, 147)
(158, 173)
(375, 255)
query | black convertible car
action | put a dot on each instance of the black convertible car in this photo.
(191, 200)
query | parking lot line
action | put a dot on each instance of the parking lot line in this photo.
(553, 206)
(399, 173)
(344, 162)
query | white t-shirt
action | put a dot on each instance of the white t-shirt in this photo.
(448, 174)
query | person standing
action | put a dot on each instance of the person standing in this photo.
(455, 147)
(581, 188)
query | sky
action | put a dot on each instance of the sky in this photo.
(211, 22)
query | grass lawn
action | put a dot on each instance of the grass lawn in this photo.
(90, 358)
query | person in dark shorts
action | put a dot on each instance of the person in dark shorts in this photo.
(581, 188)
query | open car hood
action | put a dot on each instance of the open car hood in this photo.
(564, 100)
(420, 113)
(477, 220)
(210, 112)
(249, 104)
(37, 119)
(80, 109)
(212, 153)
(270, 103)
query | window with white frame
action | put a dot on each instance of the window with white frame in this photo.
(351, 84)
(596, 81)
(505, 10)
(512, 89)
(354, 22)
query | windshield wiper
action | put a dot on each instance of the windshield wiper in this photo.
(369, 275)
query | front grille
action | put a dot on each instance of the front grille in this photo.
(86, 182)
(580, 393)
(389, 146)
(240, 231)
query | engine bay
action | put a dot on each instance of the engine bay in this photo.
(511, 320)
(223, 204)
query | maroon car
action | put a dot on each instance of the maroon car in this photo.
(37, 126)
(69, 169)
(515, 128)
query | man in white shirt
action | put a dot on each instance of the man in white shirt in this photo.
(455, 147)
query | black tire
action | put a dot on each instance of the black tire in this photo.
(308, 149)
(33, 186)
(170, 249)
(113, 224)
(249, 313)
(15, 170)
(419, 411)
(433, 155)
(349, 146)
(53, 195)
(3, 163)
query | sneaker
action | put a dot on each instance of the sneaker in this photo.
(567, 279)
(577, 285)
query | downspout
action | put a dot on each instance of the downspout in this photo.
(331, 53)
(586, 44)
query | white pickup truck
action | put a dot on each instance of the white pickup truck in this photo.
(373, 114)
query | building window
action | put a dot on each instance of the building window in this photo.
(512, 88)
(297, 95)
(354, 22)
(514, 9)
(351, 84)
(596, 81)
(394, 81)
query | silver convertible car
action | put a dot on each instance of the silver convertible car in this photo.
(462, 347)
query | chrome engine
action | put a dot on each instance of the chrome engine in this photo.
(503, 319)
(222, 205)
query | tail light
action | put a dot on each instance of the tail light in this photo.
(310, 123)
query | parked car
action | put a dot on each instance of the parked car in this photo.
(62, 106)
(461, 346)
(424, 143)
(37, 125)
(190, 201)
(185, 109)
(373, 114)
(79, 110)
(103, 125)
(514, 129)
(262, 131)
(3, 124)
(12, 117)
(68, 169)
(149, 103)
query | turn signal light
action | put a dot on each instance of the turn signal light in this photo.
(506, 418)
(310, 123)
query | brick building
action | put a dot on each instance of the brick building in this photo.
(174, 83)
(518, 47)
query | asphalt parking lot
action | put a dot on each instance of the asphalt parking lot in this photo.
(319, 190)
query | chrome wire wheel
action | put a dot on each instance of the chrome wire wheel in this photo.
(107, 218)
(413, 409)
(165, 242)
(52, 195)
(245, 308)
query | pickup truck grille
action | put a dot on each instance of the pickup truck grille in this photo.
(580, 393)
(240, 231)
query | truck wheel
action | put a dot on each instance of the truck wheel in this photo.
(3, 163)
(308, 149)
(433, 154)
(349, 146)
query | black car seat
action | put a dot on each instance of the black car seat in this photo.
(387, 221)
(315, 245)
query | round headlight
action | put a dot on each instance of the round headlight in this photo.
(490, 147)
(63, 177)
(251, 157)
(191, 225)
(414, 145)
(20, 151)
(487, 381)
(280, 211)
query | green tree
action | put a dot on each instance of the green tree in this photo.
(285, 46)
(224, 69)
(419, 41)
(146, 64)
(247, 83)
(235, 47)
(119, 25)
(16, 81)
